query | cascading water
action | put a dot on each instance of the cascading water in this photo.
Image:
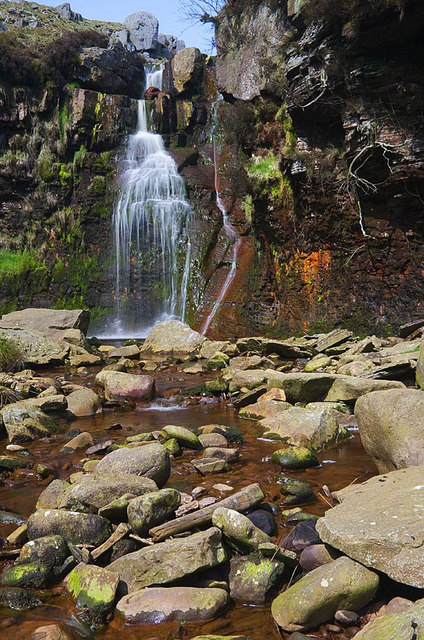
(150, 222)
(231, 234)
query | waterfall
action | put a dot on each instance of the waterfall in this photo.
(231, 234)
(150, 221)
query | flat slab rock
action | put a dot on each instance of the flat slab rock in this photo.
(380, 523)
(185, 604)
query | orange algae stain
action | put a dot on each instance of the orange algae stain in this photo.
(313, 270)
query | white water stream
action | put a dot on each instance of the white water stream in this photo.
(150, 221)
(232, 236)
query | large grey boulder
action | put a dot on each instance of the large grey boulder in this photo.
(305, 427)
(172, 560)
(149, 460)
(381, 524)
(315, 598)
(51, 323)
(143, 30)
(65, 11)
(77, 528)
(94, 491)
(113, 70)
(187, 66)
(119, 385)
(172, 337)
(391, 425)
(184, 604)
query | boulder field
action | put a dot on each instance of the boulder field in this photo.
(166, 525)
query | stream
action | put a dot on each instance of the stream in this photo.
(340, 466)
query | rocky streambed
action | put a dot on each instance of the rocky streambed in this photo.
(185, 488)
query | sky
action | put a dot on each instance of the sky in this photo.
(167, 12)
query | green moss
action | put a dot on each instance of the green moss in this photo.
(248, 208)
(64, 121)
(79, 157)
(65, 176)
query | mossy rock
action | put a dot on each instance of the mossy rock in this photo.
(216, 387)
(231, 434)
(50, 551)
(18, 599)
(10, 463)
(33, 575)
(295, 458)
(253, 577)
(116, 511)
(152, 509)
(140, 437)
(172, 445)
(94, 589)
(184, 436)
(295, 491)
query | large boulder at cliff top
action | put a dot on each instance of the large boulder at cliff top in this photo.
(171, 560)
(408, 623)
(315, 598)
(172, 337)
(114, 70)
(246, 47)
(317, 427)
(391, 424)
(118, 385)
(184, 604)
(50, 323)
(149, 460)
(143, 30)
(187, 65)
(65, 11)
(94, 491)
(381, 524)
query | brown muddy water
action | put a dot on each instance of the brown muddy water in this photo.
(341, 465)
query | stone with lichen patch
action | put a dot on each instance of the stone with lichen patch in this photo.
(253, 577)
(94, 589)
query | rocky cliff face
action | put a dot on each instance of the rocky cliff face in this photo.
(318, 146)
(327, 98)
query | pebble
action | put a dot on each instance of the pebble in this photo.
(223, 488)
(346, 618)
(199, 491)
(206, 502)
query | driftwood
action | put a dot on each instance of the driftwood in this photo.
(119, 533)
(241, 501)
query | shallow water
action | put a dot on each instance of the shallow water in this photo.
(340, 465)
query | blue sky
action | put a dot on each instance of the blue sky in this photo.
(167, 12)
